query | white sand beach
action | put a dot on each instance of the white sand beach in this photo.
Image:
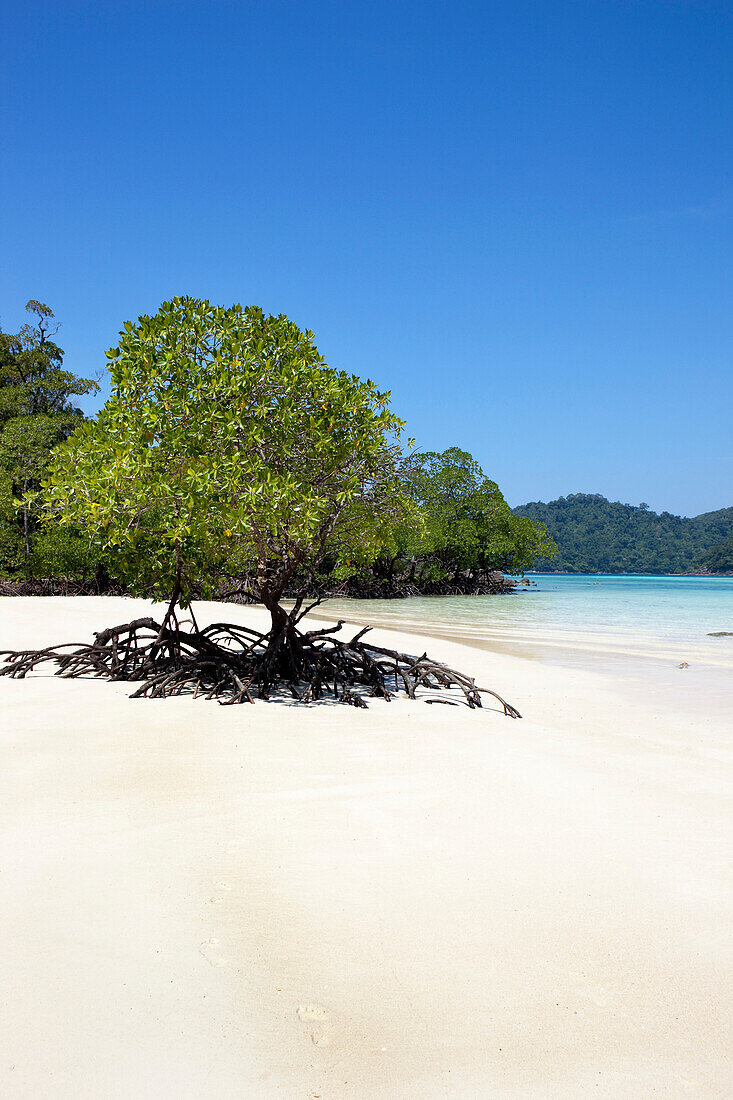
(410, 901)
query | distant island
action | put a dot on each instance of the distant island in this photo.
(596, 535)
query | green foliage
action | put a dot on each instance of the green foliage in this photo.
(719, 558)
(35, 416)
(229, 448)
(468, 524)
(229, 445)
(595, 535)
(62, 552)
(12, 549)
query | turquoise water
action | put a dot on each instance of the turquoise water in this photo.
(661, 615)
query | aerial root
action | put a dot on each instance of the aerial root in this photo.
(234, 664)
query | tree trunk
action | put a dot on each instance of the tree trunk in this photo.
(278, 617)
(170, 613)
(25, 520)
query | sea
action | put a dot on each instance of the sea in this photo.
(575, 620)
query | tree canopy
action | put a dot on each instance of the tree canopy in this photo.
(719, 558)
(469, 525)
(227, 439)
(36, 414)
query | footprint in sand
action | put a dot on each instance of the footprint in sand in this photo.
(220, 886)
(317, 1017)
(210, 950)
(602, 995)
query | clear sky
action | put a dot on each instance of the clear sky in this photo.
(516, 216)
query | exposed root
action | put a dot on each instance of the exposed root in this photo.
(235, 664)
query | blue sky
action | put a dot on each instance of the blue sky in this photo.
(516, 216)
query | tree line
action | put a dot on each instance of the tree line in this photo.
(595, 535)
(231, 460)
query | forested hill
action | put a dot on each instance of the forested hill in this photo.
(595, 535)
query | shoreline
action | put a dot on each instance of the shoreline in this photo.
(516, 584)
(291, 901)
(567, 573)
(567, 648)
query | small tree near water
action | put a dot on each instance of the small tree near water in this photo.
(227, 436)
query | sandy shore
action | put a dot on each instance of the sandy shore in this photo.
(412, 901)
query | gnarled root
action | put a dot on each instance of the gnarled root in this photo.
(235, 664)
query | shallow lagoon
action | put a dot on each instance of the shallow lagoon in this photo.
(663, 616)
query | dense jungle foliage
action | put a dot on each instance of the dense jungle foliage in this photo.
(595, 535)
(36, 415)
(197, 471)
(719, 559)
